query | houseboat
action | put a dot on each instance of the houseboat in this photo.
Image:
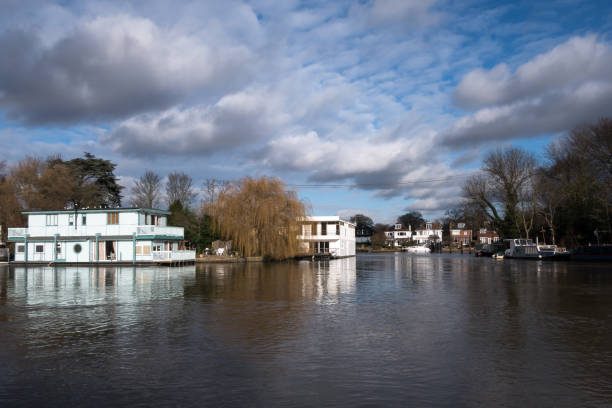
(99, 236)
(523, 249)
(527, 249)
(327, 236)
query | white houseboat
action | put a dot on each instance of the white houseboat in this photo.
(328, 236)
(114, 235)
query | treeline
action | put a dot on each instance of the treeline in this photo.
(565, 198)
(260, 215)
(53, 183)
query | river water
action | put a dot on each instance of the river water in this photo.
(376, 330)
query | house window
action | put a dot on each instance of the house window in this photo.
(40, 248)
(51, 219)
(307, 230)
(70, 219)
(20, 248)
(58, 248)
(83, 219)
(398, 226)
(112, 218)
(323, 228)
(338, 229)
(428, 226)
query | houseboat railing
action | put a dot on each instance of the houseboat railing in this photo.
(173, 255)
(85, 230)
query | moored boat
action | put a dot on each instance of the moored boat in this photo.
(417, 249)
(601, 253)
(522, 249)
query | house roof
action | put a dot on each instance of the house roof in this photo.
(434, 225)
(99, 210)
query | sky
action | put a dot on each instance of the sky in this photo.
(376, 107)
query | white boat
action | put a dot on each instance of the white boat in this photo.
(522, 248)
(417, 249)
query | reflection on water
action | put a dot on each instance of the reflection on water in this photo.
(379, 330)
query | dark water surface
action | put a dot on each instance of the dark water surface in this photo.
(378, 330)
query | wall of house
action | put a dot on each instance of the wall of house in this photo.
(92, 219)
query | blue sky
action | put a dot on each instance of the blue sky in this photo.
(392, 102)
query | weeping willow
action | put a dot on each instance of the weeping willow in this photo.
(260, 217)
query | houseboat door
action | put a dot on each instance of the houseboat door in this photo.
(60, 251)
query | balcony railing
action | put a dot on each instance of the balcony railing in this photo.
(92, 230)
(173, 255)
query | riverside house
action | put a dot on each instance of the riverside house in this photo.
(398, 235)
(430, 232)
(114, 235)
(459, 235)
(328, 235)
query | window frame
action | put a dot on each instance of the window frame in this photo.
(51, 220)
(112, 218)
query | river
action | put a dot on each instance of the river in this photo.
(375, 330)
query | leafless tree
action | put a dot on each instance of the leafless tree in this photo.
(212, 189)
(497, 189)
(179, 189)
(146, 190)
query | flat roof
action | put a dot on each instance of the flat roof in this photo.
(98, 210)
(328, 218)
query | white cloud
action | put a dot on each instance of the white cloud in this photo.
(553, 92)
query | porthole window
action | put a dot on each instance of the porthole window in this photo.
(77, 248)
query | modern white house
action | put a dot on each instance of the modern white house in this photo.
(399, 235)
(328, 235)
(114, 235)
(430, 233)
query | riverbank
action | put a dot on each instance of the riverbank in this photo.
(228, 259)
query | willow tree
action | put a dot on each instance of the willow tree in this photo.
(261, 217)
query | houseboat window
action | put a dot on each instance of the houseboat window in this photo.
(83, 219)
(77, 248)
(58, 248)
(20, 248)
(51, 219)
(70, 219)
(40, 248)
(112, 218)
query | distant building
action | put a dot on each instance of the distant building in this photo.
(114, 235)
(328, 235)
(459, 235)
(487, 237)
(398, 235)
(363, 235)
(429, 232)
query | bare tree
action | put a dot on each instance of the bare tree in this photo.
(179, 189)
(504, 175)
(146, 190)
(213, 188)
